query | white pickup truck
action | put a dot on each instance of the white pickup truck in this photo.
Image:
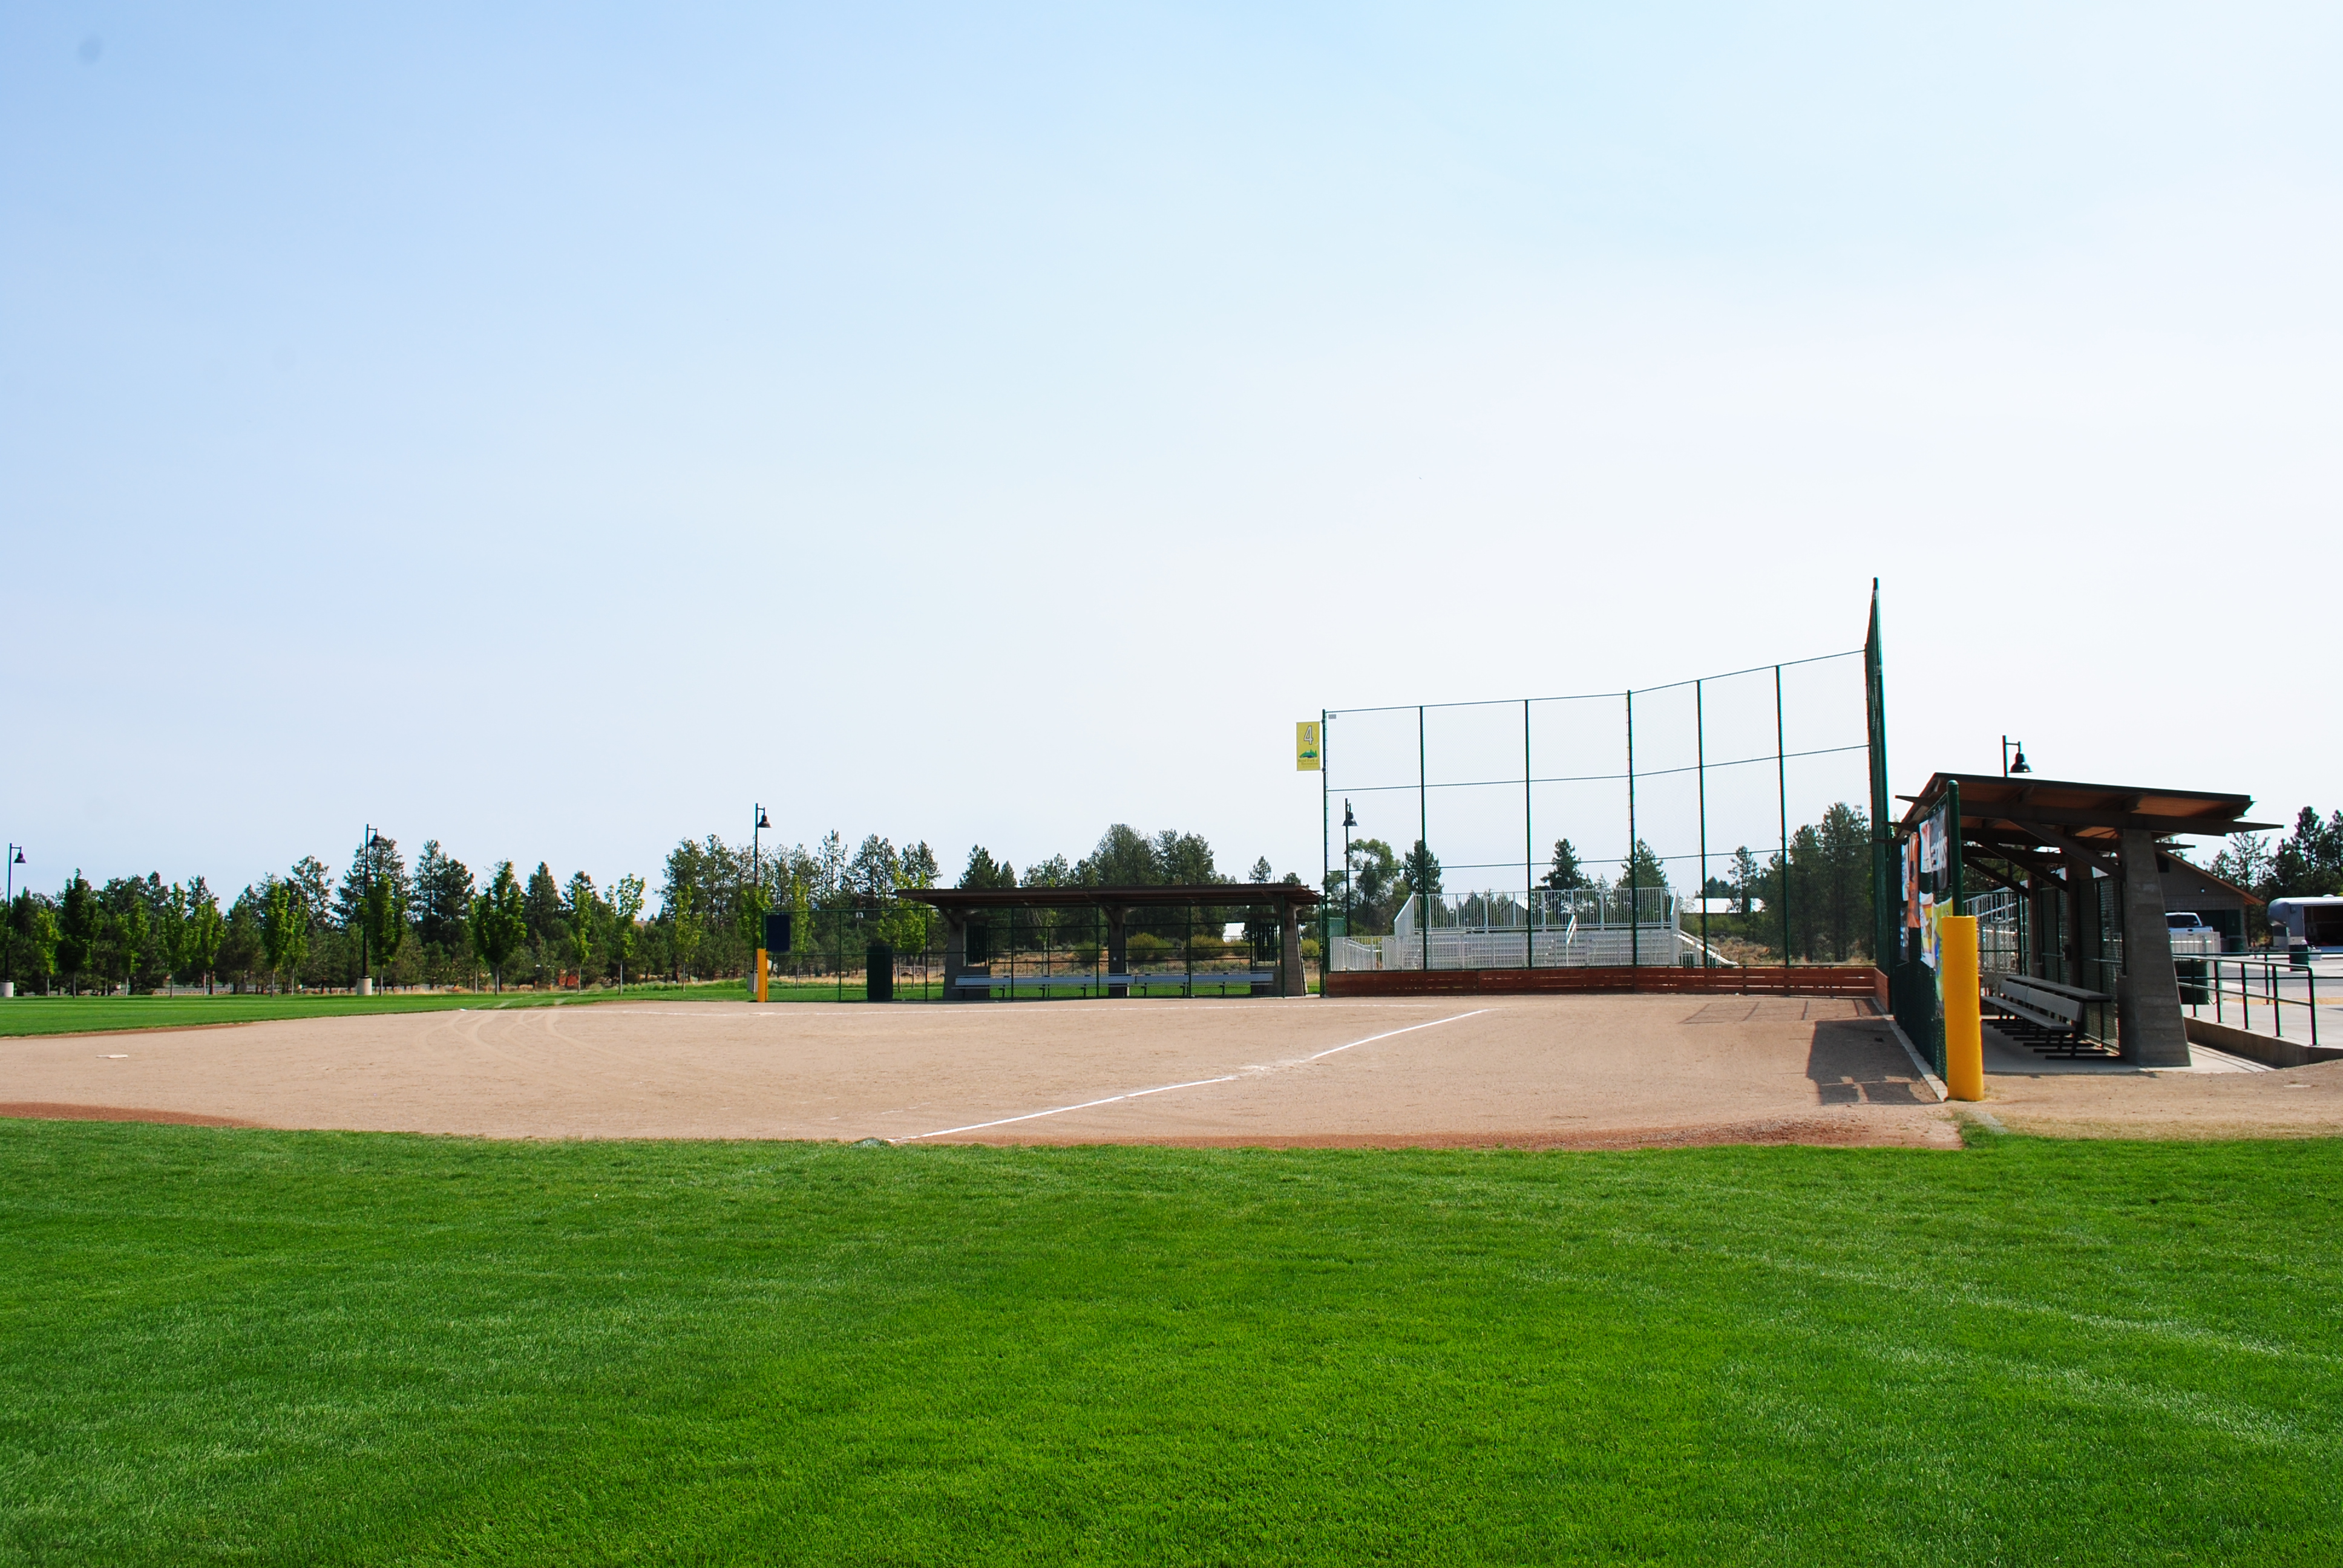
(2191, 937)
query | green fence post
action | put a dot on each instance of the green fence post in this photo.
(1422, 839)
(1782, 789)
(1634, 931)
(1887, 914)
(1700, 767)
(1326, 848)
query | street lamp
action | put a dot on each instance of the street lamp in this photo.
(756, 882)
(366, 908)
(8, 914)
(2008, 766)
(1349, 823)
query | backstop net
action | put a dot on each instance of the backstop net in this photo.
(1722, 820)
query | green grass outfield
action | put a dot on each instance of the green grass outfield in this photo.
(36, 1015)
(270, 1347)
(31, 1015)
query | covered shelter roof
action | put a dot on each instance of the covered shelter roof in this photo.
(1171, 895)
(1995, 808)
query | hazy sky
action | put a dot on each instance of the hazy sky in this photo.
(551, 430)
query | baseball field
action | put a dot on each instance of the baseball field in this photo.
(1584, 1279)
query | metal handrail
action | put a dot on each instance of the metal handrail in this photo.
(2271, 995)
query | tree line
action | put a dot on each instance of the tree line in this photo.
(436, 924)
(2307, 863)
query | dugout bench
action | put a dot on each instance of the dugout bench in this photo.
(1256, 982)
(2046, 1016)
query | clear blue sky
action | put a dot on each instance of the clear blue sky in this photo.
(550, 429)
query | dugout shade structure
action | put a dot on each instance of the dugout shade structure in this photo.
(979, 964)
(2086, 866)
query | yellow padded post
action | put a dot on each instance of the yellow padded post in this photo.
(1964, 1024)
(761, 973)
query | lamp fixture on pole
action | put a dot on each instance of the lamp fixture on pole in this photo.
(2010, 765)
(1349, 823)
(757, 990)
(16, 859)
(365, 904)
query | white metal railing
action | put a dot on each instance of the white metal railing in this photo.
(2255, 993)
(1548, 930)
(2262, 993)
(2002, 931)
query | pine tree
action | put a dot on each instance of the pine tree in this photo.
(1643, 869)
(1746, 879)
(1421, 869)
(1566, 873)
(78, 918)
(442, 898)
(984, 871)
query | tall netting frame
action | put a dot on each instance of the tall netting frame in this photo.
(1646, 796)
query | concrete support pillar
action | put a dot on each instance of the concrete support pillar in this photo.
(2083, 926)
(1118, 956)
(1292, 981)
(955, 954)
(2150, 1028)
(2042, 916)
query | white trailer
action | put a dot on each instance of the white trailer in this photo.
(2312, 924)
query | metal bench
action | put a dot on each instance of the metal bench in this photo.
(1251, 980)
(2045, 1015)
(1086, 981)
(1082, 980)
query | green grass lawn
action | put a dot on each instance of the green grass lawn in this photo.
(265, 1347)
(29, 1015)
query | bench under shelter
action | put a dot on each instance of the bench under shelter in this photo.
(977, 967)
(2089, 865)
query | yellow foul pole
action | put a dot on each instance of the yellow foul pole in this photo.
(1964, 1027)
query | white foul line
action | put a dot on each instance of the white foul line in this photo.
(1192, 1083)
(1061, 1111)
(1411, 1028)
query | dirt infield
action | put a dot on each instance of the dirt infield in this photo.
(1535, 1072)
(1587, 1072)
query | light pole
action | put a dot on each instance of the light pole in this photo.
(8, 914)
(757, 882)
(1349, 823)
(366, 909)
(2009, 766)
